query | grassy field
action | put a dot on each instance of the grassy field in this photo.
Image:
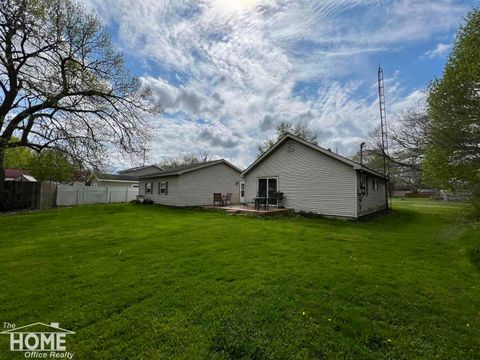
(153, 282)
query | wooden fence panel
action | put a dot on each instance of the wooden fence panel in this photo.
(20, 195)
(48, 195)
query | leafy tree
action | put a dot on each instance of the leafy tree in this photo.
(452, 159)
(64, 86)
(301, 130)
(52, 165)
(18, 157)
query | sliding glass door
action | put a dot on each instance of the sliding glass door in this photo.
(268, 187)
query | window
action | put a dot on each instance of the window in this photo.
(163, 188)
(148, 188)
(268, 187)
(375, 184)
(364, 184)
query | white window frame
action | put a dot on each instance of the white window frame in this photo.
(147, 186)
(162, 188)
(268, 178)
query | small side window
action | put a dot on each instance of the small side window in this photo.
(148, 187)
(161, 188)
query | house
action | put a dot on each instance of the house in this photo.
(19, 175)
(192, 185)
(455, 196)
(25, 178)
(314, 179)
(141, 170)
(127, 177)
(112, 180)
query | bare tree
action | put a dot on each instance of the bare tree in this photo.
(64, 86)
(408, 139)
(184, 159)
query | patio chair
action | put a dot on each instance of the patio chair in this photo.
(217, 198)
(228, 198)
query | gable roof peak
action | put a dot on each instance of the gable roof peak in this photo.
(316, 147)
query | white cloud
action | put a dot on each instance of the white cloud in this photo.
(240, 63)
(439, 51)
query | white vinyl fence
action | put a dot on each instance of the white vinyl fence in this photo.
(78, 195)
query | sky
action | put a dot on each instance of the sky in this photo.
(228, 71)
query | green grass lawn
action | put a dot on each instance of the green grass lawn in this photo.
(152, 282)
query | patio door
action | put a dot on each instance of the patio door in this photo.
(268, 187)
(242, 192)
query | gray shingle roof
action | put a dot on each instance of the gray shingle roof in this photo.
(187, 168)
(140, 168)
(116, 177)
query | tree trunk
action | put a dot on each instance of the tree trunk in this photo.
(3, 195)
(2, 170)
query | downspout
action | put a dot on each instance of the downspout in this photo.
(360, 192)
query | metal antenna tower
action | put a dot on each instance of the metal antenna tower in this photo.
(383, 127)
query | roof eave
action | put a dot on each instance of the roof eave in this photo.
(140, 168)
(263, 156)
(342, 159)
(112, 180)
(373, 172)
(151, 176)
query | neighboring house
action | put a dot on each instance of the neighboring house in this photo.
(19, 175)
(455, 196)
(26, 178)
(313, 179)
(112, 180)
(192, 185)
(141, 170)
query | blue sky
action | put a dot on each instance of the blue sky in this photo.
(228, 71)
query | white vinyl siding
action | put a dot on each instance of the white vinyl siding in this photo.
(171, 198)
(197, 187)
(311, 181)
(374, 200)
